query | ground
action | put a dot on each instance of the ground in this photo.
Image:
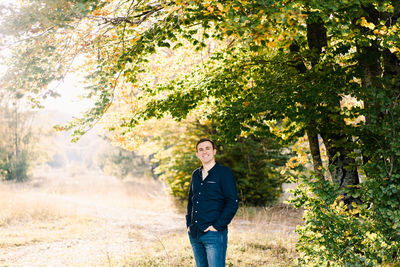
(88, 219)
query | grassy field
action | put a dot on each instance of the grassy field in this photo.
(257, 237)
(101, 221)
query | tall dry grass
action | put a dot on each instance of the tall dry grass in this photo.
(61, 204)
(58, 195)
(265, 236)
(30, 215)
(63, 218)
(19, 206)
(257, 237)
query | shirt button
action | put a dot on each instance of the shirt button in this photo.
(201, 183)
(195, 221)
(195, 211)
(199, 193)
(197, 202)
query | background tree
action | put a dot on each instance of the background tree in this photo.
(122, 163)
(258, 165)
(19, 150)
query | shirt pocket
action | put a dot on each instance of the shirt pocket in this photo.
(212, 190)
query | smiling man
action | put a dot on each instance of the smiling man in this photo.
(212, 203)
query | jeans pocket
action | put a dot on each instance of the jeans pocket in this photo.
(212, 232)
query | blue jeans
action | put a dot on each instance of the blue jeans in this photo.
(209, 248)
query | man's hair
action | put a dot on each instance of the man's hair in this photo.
(205, 140)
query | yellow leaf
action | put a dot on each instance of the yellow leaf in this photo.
(135, 40)
(271, 44)
(389, 8)
(367, 24)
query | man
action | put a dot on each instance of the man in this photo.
(212, 203)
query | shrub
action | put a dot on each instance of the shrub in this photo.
(254, 162)
(336, 234)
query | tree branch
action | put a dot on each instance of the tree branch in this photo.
(128, 19)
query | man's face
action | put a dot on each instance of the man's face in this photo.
(205, 152)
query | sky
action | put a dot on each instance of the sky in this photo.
(69, 101)
(6, 1)
(69, 90)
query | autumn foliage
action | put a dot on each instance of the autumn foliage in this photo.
(326, 73)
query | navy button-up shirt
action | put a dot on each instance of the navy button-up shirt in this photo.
(212, 201)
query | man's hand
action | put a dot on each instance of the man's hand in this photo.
(188, 229)
(210, 228)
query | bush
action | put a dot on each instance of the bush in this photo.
(121, 163)
(254, 162)
(15, 169)
(336, 234)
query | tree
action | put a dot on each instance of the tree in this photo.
(258, 164)
(285, 65)
(121, 163)
(18, 147)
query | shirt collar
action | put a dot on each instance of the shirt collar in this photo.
(212, 169)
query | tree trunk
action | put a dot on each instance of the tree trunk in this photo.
(369, 62)
(16, 136)
(342, 167)
(312, 134)
(313, 142)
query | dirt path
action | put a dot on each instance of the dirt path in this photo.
(113, 219)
